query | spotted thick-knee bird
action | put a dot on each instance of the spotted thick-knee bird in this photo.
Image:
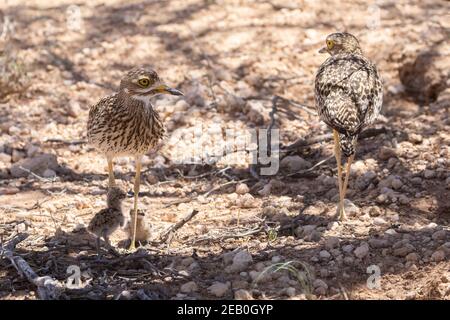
(126, 123)
(349, 95)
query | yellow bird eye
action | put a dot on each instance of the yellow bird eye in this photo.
(330, 44)
(144, 82)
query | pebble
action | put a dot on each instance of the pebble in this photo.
(290, 292)
(324, 254)
(396, 183)
(404, 250)
(219, 289)
(243, 294)
(361, 251)
(350, 208)
(378, 243)
(241, 261)
(412, 257)
(37, 165)
(49, 173)
(438, 256)
(242, 188)
(348, 248)
(439, 235)
(294, 163)
(189, 287)
(332, 242)
(385, 153)
(428, 174)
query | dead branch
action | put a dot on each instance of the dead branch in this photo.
(368, 133)
(47, 287)
(66, 142)
(172, 229)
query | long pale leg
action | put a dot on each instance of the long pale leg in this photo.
(137, 183)
(347, 174)
(337, 153)
(112, 181)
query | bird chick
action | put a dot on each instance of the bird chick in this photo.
(108, 220)
(142, 228)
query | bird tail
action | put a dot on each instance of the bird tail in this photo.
(347, 144)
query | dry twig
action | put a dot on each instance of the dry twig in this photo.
(172, 229)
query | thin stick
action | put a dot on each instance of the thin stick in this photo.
(172, 229)
(47, 287)
(312, 168)
(224, 185)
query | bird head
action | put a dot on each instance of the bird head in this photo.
(116, 194)
(341, 42)
(145, 82)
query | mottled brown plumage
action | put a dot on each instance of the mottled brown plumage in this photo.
(349, 95)
(126, 123)
(143, 231)
(108, 220)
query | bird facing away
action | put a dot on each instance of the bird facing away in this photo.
(142, 228)
(349, 95)
(107, 220)
(125, 123)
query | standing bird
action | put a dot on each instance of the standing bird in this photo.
(126, 123)
(107, 220)
(349, 95)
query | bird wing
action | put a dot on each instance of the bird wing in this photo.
(346, 92)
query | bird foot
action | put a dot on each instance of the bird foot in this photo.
(340, 213)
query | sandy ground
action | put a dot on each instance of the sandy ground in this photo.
(272, 237)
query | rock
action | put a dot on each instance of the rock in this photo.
(350, 208)
(9, 190)
(348, 248)
(439, 235)
(246, 201)
(385, 153)
(428, 174)
(242, 188)
(73, 109)
(324, 255)
(189, 287)
(332, 242)
(5, 158)
(241, 261)
(219, 289)
(378, 243)
(415, 138)
(49, 173)
(412, 257)
(396, 183)
(361, 251)
(318, 283)
(404, 250)
(438, 256)
(379, 221)
(290, 292)
(37, 165)
(243, 294)
(294, 163)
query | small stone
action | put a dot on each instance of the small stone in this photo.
(243, 294)
(350, 208)
(290, 292)
(396, 183)
(219, 289)
(361, 251)
(415, 138)
(189, 287)
(379, 221)
(294, 163)
(17, 155)
(429, 174)
(242, 188)
(49, 173)
(412, 257)
(319, 283)
(348, 248)
(332, 242)
(324, 254)
(241, 261)
(385, 153)
(439, 235)
(378, 243)
(438, 256)
(37, 165)
(404, 251)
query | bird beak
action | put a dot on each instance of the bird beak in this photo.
(323, 50)
(166, 89)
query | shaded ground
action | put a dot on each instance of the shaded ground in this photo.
(230, 58)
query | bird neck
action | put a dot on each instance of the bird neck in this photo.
(114, 203)
(135, 102)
